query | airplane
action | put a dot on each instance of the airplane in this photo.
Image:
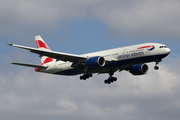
(131, 58)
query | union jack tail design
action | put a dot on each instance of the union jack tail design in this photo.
(42, 45)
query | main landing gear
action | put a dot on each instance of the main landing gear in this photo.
(157, 62)
(111, 79)
(85, 76)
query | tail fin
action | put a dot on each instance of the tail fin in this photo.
(42, 45)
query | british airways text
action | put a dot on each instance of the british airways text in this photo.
(130, 54)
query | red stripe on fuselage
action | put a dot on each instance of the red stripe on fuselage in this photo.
(146, 46)
(41, 44)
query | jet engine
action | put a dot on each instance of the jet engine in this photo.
(139, 69)
(96, 62)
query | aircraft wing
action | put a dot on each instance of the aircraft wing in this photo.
(57, 55)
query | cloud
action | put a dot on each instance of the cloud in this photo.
(141, 19)
(26, 94)
(34, 17)
(43, 96)
(67, 106)
(128, 19)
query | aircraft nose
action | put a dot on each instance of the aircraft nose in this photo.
(168, 50)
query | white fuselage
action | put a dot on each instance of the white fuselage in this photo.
(118, 58)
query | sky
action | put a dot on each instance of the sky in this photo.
(83, 26)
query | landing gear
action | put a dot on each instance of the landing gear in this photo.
(156, 67)
(111, 79)
(157, 62)
(85, 76)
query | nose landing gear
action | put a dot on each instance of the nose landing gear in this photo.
(156, 67)
(157, 62)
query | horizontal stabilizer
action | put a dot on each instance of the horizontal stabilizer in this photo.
(29, 65)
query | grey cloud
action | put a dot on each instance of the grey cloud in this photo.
(155, 95)
(130, 19)
(142, 19)
(25, 94)
(21, 17)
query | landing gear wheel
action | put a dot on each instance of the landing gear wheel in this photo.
(156, 67)
(110, 80)
(90, 74)
(85, 76)
(105, 81)
(81, 77)
(115, 78)
(157, 62)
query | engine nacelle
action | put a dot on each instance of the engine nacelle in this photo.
(96, 62)
(139, 69)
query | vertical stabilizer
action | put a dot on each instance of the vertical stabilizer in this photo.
(42, 45)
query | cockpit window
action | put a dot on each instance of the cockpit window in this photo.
(162, 46)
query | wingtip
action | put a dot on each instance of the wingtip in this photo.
(10, 44)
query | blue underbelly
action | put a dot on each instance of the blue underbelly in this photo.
(115, 64)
